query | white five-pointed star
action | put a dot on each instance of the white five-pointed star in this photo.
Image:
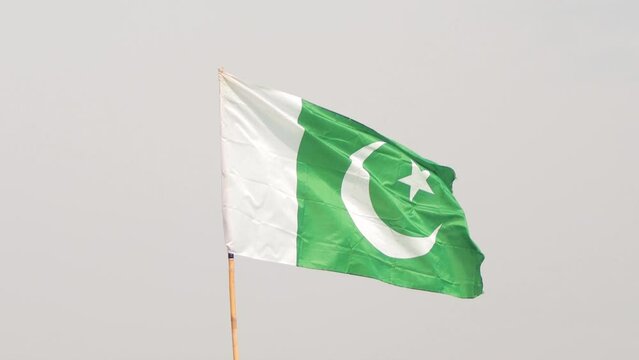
(417, 181)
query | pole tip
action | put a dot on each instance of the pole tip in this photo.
(231, 256)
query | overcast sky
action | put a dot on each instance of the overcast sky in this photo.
(111, 243)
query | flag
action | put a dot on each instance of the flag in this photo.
(308, 187)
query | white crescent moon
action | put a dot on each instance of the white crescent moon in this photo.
(356, 197)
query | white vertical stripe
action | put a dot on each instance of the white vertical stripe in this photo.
(260, 139)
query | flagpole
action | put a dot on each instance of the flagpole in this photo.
(236, 355)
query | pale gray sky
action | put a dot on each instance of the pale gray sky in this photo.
(110, 223)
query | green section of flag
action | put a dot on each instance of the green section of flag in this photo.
(327, 236)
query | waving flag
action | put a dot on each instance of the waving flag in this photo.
(305, 186)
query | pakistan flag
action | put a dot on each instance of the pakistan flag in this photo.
(305, 186)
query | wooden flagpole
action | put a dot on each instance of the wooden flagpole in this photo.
(236, 355)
